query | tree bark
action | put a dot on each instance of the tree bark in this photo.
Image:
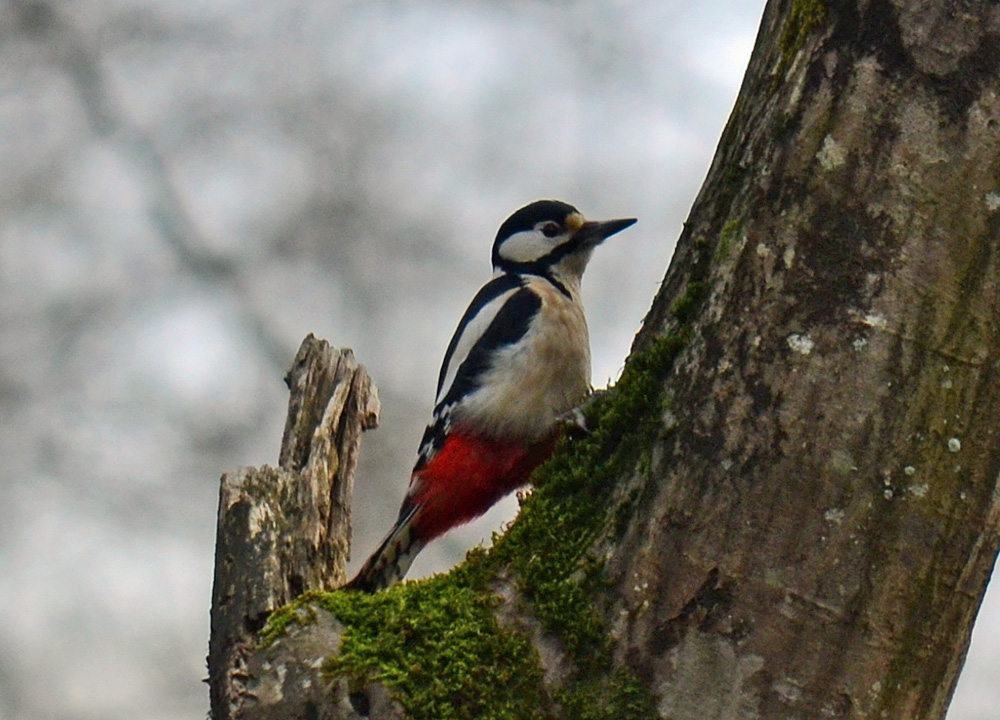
(811, 521)
(285, 531)
(838, 459)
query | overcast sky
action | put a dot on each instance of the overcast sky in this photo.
(189, 188)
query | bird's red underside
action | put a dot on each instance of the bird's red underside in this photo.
(467, 476)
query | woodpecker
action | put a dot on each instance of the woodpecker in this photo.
(517, 363)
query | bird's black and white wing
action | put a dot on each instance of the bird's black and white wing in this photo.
(499, 315)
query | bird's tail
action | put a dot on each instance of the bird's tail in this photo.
(393, 557)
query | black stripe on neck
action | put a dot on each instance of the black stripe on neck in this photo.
(559, 286)
(543, 265)
(538, 269)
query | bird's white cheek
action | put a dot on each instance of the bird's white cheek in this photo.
(525, 247)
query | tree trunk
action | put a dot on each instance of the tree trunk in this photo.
(835, 467)
(789, 504)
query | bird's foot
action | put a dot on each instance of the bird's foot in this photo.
(574, 421)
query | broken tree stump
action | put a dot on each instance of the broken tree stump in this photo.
(286, 530)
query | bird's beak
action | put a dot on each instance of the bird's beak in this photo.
(594, 232)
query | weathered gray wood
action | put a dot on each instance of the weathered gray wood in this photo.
(283, 531)
(286, 679)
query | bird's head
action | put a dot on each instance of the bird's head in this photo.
(549, 237)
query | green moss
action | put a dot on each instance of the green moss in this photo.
(574, 504)
(729, 233)
(436, 643)
(803, 18)
(299, 612)
(683, 306)
(620, 696)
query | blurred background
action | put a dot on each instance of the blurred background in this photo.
(189, 188)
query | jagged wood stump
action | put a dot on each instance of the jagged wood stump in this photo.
(286, 530)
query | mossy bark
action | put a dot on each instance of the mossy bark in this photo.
(789, 504)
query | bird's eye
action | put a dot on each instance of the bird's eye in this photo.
(551, 229)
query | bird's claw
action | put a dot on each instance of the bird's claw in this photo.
(574, 421)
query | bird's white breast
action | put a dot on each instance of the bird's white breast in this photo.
(532, 382)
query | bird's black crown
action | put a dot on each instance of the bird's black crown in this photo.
(530, 215)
